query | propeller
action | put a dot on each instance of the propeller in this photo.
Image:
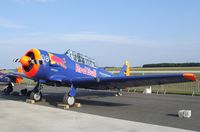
(28, 62)
(31, 62)
(25, 60)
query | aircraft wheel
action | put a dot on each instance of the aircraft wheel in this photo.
(118, 94)
(8, 90)
(70, 100)
(37, 96)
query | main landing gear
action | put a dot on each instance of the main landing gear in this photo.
(36, 93)
(69, 97)
(8, 89)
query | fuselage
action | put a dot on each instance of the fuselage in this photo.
(58, 66)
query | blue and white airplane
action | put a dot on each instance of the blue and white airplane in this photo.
(75, 70)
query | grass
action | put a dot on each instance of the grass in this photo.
(28, 82)
(168, 69)
(159, 69)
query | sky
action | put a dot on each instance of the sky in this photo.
(110, 31)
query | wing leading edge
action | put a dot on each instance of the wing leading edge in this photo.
(131, 81)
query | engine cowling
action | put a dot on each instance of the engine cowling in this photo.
(29, 63)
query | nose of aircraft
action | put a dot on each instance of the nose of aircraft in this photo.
(25, 60)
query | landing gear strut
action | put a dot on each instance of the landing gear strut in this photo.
(8, 89)
(36, 93)
(69, 97)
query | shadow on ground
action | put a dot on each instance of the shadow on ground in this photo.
(84, 97)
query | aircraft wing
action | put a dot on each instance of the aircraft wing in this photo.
(131, 81)
(121, 81)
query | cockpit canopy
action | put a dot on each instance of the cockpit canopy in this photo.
(80, 58)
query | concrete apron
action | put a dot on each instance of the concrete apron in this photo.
(23, 117)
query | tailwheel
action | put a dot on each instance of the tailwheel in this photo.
(69, 100)
(37, 96)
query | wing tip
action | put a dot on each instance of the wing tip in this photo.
(190, 76)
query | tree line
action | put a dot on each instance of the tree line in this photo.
(172, 65)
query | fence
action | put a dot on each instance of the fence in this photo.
(190, 88)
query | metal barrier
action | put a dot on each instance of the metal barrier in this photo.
(190, 88)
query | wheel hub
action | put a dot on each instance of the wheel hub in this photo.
(37, 96)
(70, 100)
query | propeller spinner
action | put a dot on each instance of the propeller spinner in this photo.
(25, 60)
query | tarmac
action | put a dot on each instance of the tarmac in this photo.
(100, 111)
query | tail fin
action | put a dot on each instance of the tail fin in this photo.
(125, 71)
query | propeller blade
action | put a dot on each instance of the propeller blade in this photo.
(37, 62)
(32, 61)
(16, 60)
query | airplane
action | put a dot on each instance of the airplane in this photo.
(8, 80)
(76, 70)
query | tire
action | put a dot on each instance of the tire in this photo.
(69, 100)
(8, 90)
(37, 96)
(119, 94)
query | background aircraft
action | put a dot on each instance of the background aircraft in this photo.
(8, 79)
(75, 70)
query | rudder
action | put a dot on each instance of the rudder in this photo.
(125, 71)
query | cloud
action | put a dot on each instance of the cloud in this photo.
(5, 23)
(81, 37)
(76, 38)
(93, 37)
